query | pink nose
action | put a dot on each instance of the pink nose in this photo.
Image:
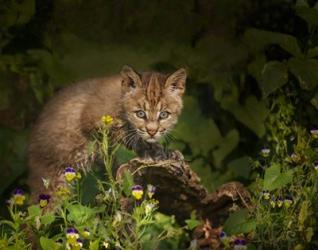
(152, 132)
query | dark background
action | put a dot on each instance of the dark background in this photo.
(238, 54)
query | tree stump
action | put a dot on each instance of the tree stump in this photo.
(179, 190)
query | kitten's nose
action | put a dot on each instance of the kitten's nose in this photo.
(152, 132)
(151, 129)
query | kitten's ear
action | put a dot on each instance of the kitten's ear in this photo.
(175, 83)
(131, 79)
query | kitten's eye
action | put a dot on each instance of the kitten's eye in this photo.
(141, 114)
(163, 114)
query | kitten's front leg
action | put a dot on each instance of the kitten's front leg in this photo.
(157, 152)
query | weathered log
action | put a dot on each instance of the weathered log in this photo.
(179, 190)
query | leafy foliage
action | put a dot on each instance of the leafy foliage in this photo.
(252, 83)
(68, 224)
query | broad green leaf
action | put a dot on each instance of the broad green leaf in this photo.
(274, 179)
(274, 76)
(79, 213)
(313, 52)
(199, 132)
(94, 245)
(252, 114)
(48, 244)
(124, 155)
(47, 219)
(255, 67)
(238, 222)
(310, 15)
(128, 182)
(34, 211)
(306, 71)
(205, 173)
(241, 166)
(226, 146)
(257, 40)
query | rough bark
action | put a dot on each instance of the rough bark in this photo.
(180, 191)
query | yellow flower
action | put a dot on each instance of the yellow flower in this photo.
(70, 174)
(137, 192)
(107, 120)
(86, 233)
(63, 191)
(44, 200)
(72, 236)
(18, 197)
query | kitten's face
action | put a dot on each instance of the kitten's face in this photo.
(152, 101)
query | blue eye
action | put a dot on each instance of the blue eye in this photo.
(141, 114)
(163, 115)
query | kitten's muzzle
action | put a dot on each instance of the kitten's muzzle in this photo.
(152, 132)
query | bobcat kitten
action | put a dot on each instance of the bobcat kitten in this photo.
(145, 107)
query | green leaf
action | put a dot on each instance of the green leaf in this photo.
(274, 179)
(48, 244)
(241, 166)
(310, 15)
(306, 71)
(192, 222)
(47, 219)
(128, 182)
(205, 173)
(257, 40)
(256, 66)
(94, 245)
(124, 155)
(303, 214)
(206, 137)
(274, 76)
(238, 222)
(80, 214)
(34, 211)
(206, 134)
(313, 52)
(226, 146)
(252, 114)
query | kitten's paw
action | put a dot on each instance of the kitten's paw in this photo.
(175, 155)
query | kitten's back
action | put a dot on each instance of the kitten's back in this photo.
(62, 125)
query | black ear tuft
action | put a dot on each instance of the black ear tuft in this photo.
(176, 81)
(130, 78)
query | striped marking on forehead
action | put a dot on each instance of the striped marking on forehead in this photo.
(153, 89)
